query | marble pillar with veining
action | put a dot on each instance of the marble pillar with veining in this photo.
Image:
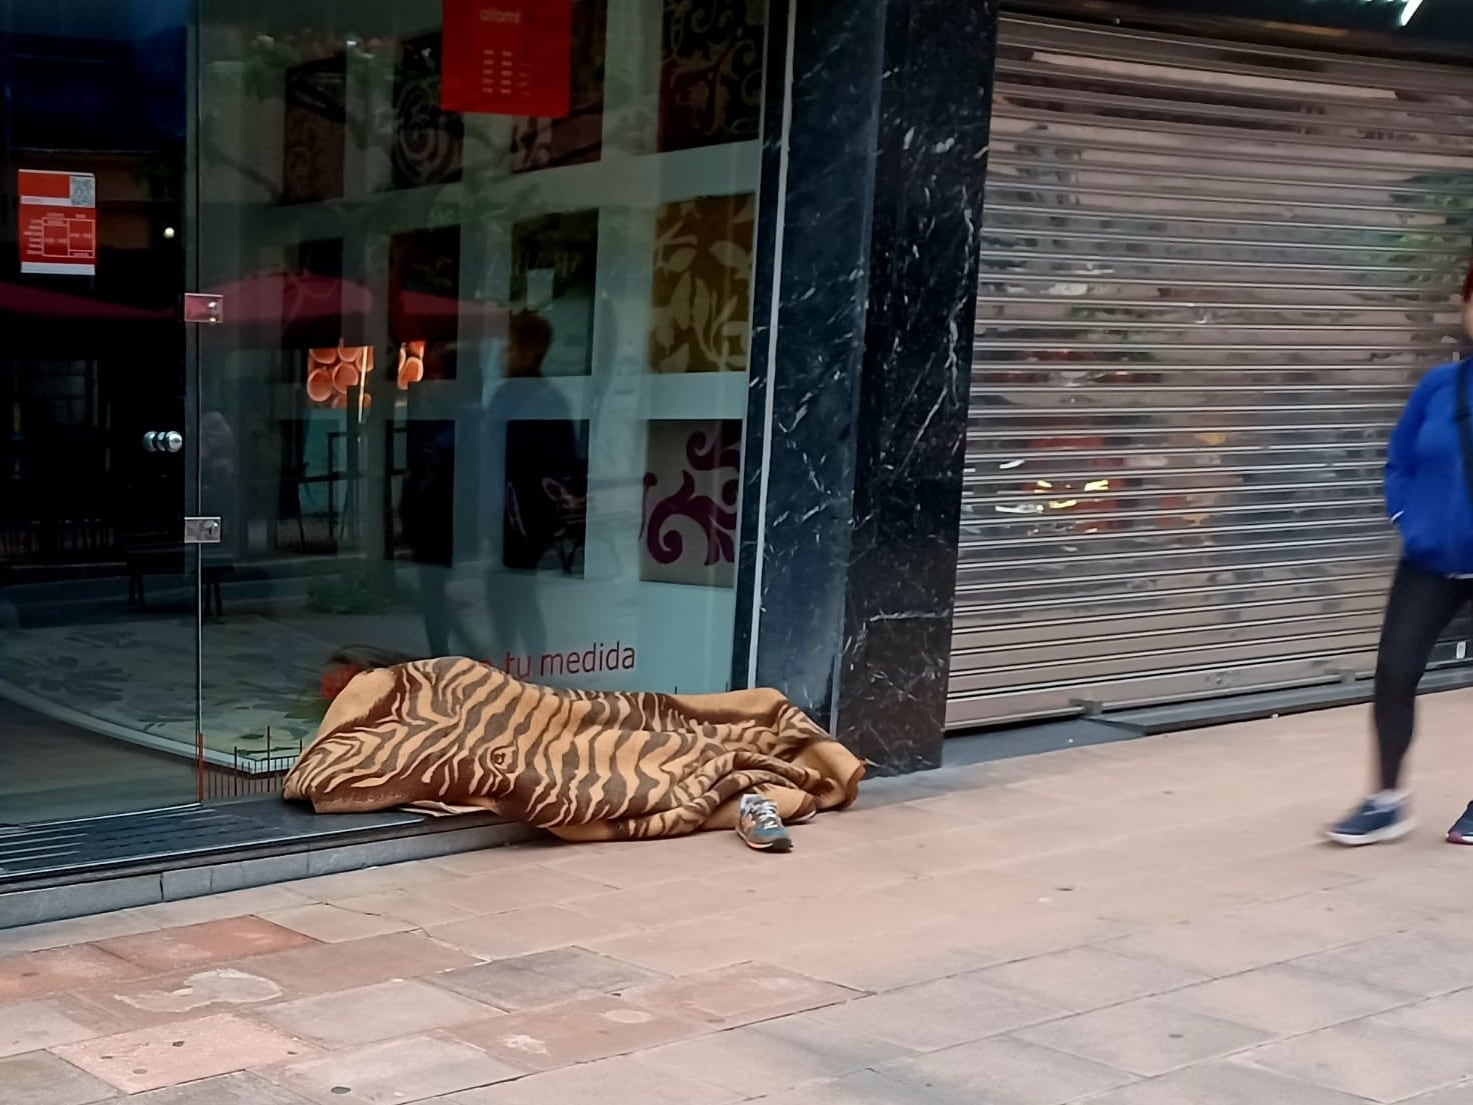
(875, 158)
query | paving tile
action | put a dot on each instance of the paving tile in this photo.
(624, 866)
(1449, 1017)
(512, 888)
(1415, 888)
(180, 995)
(1039, 929)
(369, 880)
(528, 981)
(1369, 1060)
(689, 948)
(1229, 1082)
(812, 879)
(1087, 978)
(1010, 800)
(972, 893)
(174, 949)
(40, 1078)
(1284, 1000)
(36, 974)
(738, 995)
(937, 1014)
(333, 925)
(1145, 1037)
(878, 963)
(373, 1013)
(1217, 946)
(867, 824)
(1279, 875)
(76, 930)
(1336, 916)
(241, 1088)
(328, 968)
(1156, 901)
(864, 1088)
(49, 1022)
(770, 1057)
(182, 1052)
(416, 1068)
(219, 907)
(1461, 1094)
(844, 916)
(1423, 963)
(523, 931)
(575, 1032)
(619, 1081)
(537, 852)
(404, 905)
(1005, 1071)
(667, 903)
(959, 849)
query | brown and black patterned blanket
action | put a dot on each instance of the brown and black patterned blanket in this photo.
(453, 735)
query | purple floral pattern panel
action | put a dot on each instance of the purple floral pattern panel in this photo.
(692, 475)
(710, 72)
(578, 137)
(701, 297)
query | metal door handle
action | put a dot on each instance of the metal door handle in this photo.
(163, 441)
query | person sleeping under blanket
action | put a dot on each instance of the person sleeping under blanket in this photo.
(456, 735)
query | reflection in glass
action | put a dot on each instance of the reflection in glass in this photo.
(500, 414)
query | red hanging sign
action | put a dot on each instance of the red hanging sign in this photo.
(507, 57)
(58, 223)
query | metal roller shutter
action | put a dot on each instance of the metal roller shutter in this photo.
(1210, 275)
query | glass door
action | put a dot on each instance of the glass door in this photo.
(98, 621)
(480, 384)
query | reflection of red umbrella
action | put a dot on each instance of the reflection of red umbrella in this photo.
(424, 316)
(18, 299)
(298, 308)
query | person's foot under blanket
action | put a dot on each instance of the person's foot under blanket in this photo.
(452, 735)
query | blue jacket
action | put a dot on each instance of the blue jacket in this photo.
(1426, 490)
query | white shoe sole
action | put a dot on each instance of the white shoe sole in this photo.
(1380, 836)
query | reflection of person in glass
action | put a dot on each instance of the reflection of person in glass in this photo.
(545, 484)
(217, 465)
(1429, 497)
(545, 475)
(428, 515)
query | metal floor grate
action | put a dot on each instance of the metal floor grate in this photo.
(182, 836)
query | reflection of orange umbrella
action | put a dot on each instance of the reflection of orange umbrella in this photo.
(18, 299)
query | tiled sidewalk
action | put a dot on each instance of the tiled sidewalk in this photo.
(1149, 923)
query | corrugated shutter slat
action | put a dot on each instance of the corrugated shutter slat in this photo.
(1210, 275)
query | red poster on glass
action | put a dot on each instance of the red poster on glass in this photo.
(58, 223)
(507, 57)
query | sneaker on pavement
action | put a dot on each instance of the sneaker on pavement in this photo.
(1462, 830)
(760, 827)
(1373, 823)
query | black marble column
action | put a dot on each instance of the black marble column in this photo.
(873, 193)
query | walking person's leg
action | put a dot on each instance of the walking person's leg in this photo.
(1418, 609)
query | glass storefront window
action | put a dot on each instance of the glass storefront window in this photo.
(97, 602)
(480, 384)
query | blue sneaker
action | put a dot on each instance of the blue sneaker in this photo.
(1374, 823)
(760, 827)
(1462, 830)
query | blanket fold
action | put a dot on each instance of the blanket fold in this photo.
(452, 735)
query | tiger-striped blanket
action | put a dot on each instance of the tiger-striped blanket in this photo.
(452, 735)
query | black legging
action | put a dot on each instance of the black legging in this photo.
(1419, 608)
